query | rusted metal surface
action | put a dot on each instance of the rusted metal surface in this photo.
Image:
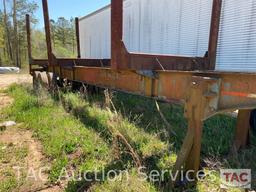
(47, 31)
(122, 59)
(242, 130)
(117, 35)
(173, 85)
(77, 38)
(201, 103)
(64, 62)
(40, 63)
(165, 62)
(214, 33)
(28, 30)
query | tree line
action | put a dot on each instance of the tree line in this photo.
(13, 44)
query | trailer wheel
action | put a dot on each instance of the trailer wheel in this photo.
(36, 81)
(76, 85)
(51, 81)
(253, 121)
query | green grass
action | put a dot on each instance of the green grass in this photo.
(218, 134)
(81, 135)
(10, 156)
(133, 106)
(70, 142)
(107, 123)
(60, 133)
(9, 183)
(125, 182)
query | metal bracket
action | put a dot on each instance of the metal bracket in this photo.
(148, 73)
(208, 94)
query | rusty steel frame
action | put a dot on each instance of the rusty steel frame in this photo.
(214, 33)
(187, 80)
(121, 59)
(77, 38)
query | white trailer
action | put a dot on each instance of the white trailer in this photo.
(177, 27)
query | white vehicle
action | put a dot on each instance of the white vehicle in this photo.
(8, 70)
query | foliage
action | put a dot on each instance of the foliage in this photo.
(83, 138)
(1, 33)
(11, 156)
(2, 37)
(108, 123)
(125, 183)
(15, 39)
(63, 37)
(63, 34)
(61, 134)
(39, 45)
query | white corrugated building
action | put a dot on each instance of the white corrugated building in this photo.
(178, 27)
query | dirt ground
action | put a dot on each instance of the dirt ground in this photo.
(19, 137)
(7, 80)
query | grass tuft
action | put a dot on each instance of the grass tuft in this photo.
(125, 182)
(60, 133)
(81, 135)
(107, 123)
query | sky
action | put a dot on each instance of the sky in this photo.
(69, 8)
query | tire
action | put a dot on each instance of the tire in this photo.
(253, 121)
(36, 83)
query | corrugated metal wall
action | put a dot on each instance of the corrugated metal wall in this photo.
(95, 35)
(237, 40)
(167, 26)
(151, 26)
(178, 27)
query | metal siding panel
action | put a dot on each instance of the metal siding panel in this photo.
(237, 40)
(152, 26)
(204, 26)
(131, 26)
(146, 26)
(188, 27)
(95, 35)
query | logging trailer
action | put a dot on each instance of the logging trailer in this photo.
(191, 81)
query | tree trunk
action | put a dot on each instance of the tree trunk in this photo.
(16, 38)
(0, 60)
(7, 33)
(73, 43)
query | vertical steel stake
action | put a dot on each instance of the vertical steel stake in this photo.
(78, 38)
(48, 33)
(214, 33)
(29, 41)
(116, 33)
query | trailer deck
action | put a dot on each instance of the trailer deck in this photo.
(191, 81)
